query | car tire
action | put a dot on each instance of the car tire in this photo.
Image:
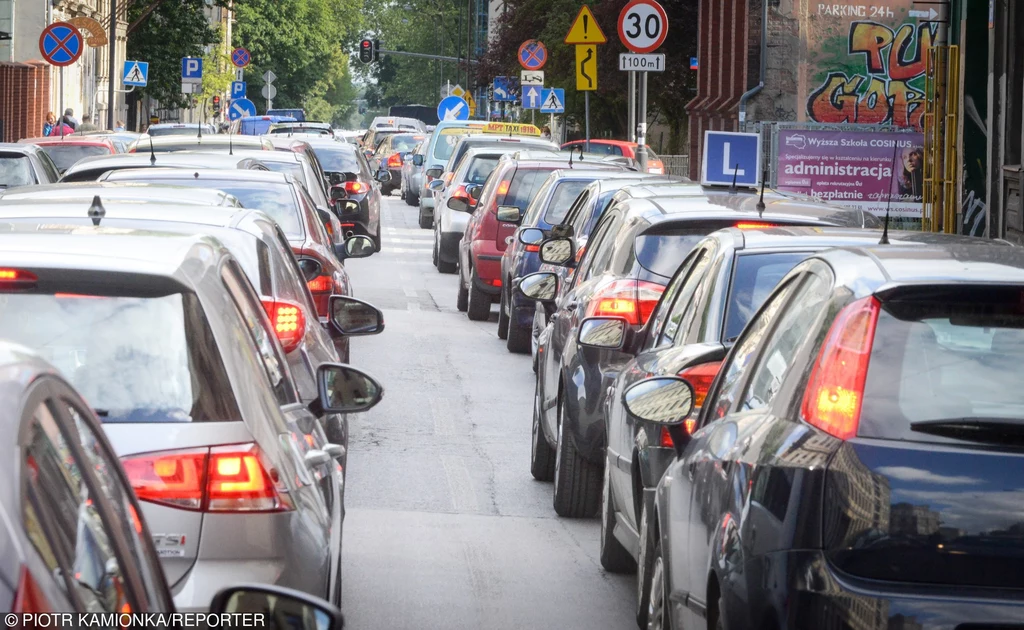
(479, 307)
(519, 338)
(542, 456)
(658, 609)
(411, 199)
(445, 267)
(644, 564)
(376, 239)
(425, 222)
(503, 318)
(435, 256)
(577, 491)
(462, 301)
(614, 557)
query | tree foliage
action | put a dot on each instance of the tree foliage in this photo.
(549, 21)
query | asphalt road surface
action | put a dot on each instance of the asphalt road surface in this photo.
(445, 527)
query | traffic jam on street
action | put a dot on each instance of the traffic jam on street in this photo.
(490, 364)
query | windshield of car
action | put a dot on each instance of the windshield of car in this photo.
(754, 277)
(446, 142)
(15, 170)
(135, 359)
(65, 155)
(950, 355)
(275, 199)
(565, 193)
(480, 169)
(662, 252)
(404, 142)
(339, 159)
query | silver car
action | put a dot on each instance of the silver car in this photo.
(166, 338)
(75, 537)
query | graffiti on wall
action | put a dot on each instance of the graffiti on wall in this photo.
(875, 75)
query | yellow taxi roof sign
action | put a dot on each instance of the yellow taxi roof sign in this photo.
(512, 128)
(585, 30)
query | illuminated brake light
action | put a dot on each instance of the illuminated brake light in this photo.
(835, 391)
(288, 322)
(174, 478)
(504, 186)
(395, 161)
(17, 278)
(356, 188)
(238, 482)
(752, 225)
(533, 248)
(701, 376)
(320, 284)
(634, 300)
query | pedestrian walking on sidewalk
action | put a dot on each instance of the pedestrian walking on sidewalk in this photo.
(51, 120)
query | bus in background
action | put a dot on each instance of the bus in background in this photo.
(298, 114)
(256, 125)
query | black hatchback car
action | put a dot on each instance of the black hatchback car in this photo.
(632, 254)
(859, 461)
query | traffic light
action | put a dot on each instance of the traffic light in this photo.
(216, 105)
(376, 49)
(366, 50)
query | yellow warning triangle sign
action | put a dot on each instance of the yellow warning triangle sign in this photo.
(584, 29)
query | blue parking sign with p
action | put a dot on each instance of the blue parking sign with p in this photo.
(237, 89)
(191, 68)
(730, 156)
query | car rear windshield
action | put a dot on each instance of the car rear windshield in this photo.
(135, 359)
(565, 193)
(945, 356)
(184, 130)
(405, 142)
(277, 200)
(445, 144)
(481, 168)
(64, 155)
(525, 183)
(291, 168)
(340, 159)
(605, 149)
(15, 170)
(754, 277)
(662, 250)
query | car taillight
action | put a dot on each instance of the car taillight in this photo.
(689, 425)
(320, 284)
(222, 479)
(29, 598)
(356, 188)
(753, 225)
(701, 376)
(448, 177)
(533, 248)
(395, 161)
(495, 282)
(16, 278)
(634, 300)
(288, 322)
(835, 391)
(504, 186)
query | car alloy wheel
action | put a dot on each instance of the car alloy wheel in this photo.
(643, 569)
(542, 457)
(503, 316)
(657, 613)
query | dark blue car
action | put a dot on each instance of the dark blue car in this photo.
(548, 208)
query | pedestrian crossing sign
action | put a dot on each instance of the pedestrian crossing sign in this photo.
(136, 73)
(552, 101)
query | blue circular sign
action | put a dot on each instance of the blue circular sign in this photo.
(453, 108)
(240, 57)
(533, 55)
(61, 44)
(241, 108)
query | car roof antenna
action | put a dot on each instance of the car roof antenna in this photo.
(152, 152)
(231, 148)
(572, 152)
(760, 202)
(885, 226)
(97, 211)
(735, 172)
(581, 153)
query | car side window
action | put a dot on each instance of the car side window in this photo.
(61, 509)
(668, 299)
(572, 214)
(287, 274)
(270, 352)
(316, 226)
(682, 311)
(487, 192)
(720, 401)
(602, 251)
(782, 345)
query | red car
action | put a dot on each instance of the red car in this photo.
(67, 150)
(620, 147)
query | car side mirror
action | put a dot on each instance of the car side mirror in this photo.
(417, 160)
(436, 185)
(473, 190)
(458, 204)
(345, 389)
(556, 251)
(509, 214)
(310, 268)
(531, 236)
(541, 286)
(351, 177)
(607, 333)
(338, 192)
(357, 246)
(383, 176)
(274, 603)
(662, 400)
(435, 172)
(346, 205)
(336, 179)
(352, 317)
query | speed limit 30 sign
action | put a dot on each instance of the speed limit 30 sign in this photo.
(643, 25)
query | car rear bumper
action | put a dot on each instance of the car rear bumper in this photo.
(807, 593)
(486, 262)
(396, 178)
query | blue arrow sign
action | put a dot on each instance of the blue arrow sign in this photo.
(241, 108)
(191, 69)
(552, 101)
(531, 97)
(453, 108)
(237, 90)
(136, 73)
(729, 154)
(502, 90)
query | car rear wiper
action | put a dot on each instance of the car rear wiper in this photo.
(991, 430)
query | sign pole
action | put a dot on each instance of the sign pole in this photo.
(112, 59)
(641, 128)
(60, 121)
(631, 115)
(586, 106)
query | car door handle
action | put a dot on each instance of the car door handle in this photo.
(316, 458)
(337, 451)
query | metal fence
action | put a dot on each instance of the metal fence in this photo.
(676, 164)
